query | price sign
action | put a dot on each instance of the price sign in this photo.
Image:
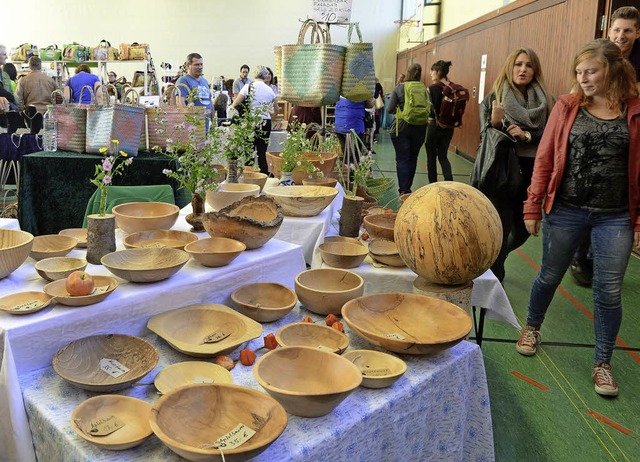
(27, 306)
(99, 290)
(376, 372)
(103, 426)
(112, 367)
(332, 10)
(239, 435)
(216, 337)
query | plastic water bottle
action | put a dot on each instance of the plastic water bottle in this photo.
(50, 125)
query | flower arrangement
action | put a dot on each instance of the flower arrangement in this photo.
(107, 169)
(298, 145)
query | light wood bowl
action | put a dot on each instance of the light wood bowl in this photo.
(134, 217)
(215, 251)
(222, 173)
(323, 181)
(308, 382)
(379, 370)
(25, 302)
(188, 373)
(52, 245)
(312, 335)
(380, 225)
(55, 268)
(386, 252)
(159, 238)
(302, 201)
(15, 247)
(185, 329)
(190, 419)
(252, 221)
(228, 193)
(325, 290)
(132, 412)
(104, 285)
(79, 233)
(352, 240)
(264, 301)
(79, 361)
(256, 178)
(342, 254)
(145, 265)
(407, 323)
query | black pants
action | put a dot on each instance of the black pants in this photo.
(260, 143)
(437, 146)
(407, 145)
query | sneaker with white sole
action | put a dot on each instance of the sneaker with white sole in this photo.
(604, 383)
(528, 341)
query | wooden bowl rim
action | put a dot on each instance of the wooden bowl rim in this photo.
(27, 235)
(360, 250)
(66, 240)
(50, 260)
(82, 300)
(175, 368)
(374, 219)
(315, 289)
(116, 210)
(36, 294)
(281, 192)
(184, 258)
(389, 357)
(235, 296)
(185, 237)
(191, 246)
(382, 240)
(78, 233)
(343, 345)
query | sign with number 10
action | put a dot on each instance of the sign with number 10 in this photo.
(332, 10)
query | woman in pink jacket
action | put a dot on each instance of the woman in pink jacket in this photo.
(585, 180)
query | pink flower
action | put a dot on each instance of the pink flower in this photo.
(107, 165)
(106, 179)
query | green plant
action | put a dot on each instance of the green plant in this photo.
(294, 146)
(360, 165)
(107, 169)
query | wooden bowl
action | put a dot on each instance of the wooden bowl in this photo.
(228, 193)
(324, 161)
(385, 251)
(222, 173)
(307, 381)
(133, 413)
(104, 285)
(52, 245)
(342, 254)
(256, 178)
(134, 217)
(190, 419)
(190, 372)
(55, 268)
(145, 265)
(195, 329)
(79, 233)
(25, 302)
(252, 221)
(325, 290)
(15, 246)
(380, 225)
(159, 238)
(312, 335)
(407, 323)
(264, 301)
(379, 370)
(215, 251)
(352, 240)
(323, 181)
(79, 361)
(302, 201)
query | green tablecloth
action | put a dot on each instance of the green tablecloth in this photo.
(55, 187)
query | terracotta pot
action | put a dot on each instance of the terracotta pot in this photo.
(326, 167)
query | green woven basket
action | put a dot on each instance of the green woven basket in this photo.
(384, 191)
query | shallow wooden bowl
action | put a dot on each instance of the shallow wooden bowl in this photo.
(380, 225)
(104, 285)
(52, 245)
(325, 290)
(79, 233)
(302, 201)
(252, 221)
(407, 323)
(145, 265)
(228, 193)
(264, 301)
(379, 370)
(190, 372)
(15, 247)
(256, 178)
(25, 302)
(190, 419)
(159, 238)
(55, 268)
(352, 240)
(132, 412)
(342, 254)
(187, 329)
(312, 335)
(79, 361)
(323, 181)
(215, 251)
(386, 252)
(134, 217)
(307, 381)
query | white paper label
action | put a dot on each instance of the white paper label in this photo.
(202, 380)
(376, 372)
(236, 437)
(99, 290)
(103, 426)
(27, 306)
(394, 336)
(216, 337)
(112, 367)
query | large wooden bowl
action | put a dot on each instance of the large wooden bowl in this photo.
(190, 372)
(379, 370)
(385, 251)
(190, 419)
(104, 285)
(307, 381)
(79, 361)
(312, 335)
(325, 290)
(342, 254)
(194, 330)
(15, 246)
(302, 201)
(380, 225)
(79, 233)
(320, 181)
(133, 413)
(256, 178)
(55, 268)
(159, 238)
(252, 221)
(264, 301)
(407, 323)
(24, 302)
(52, 245)
(215, 251)
(145, 265)
(134, 217)
(228, 193)
(323, 161)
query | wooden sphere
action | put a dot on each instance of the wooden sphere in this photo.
(448, 232)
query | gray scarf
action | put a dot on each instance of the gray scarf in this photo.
(529, 114)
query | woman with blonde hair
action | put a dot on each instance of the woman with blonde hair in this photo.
(586, 182)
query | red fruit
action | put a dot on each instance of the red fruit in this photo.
(338, 326)
(79, 283)
(307, 319)
(365, 236)
(226, 362)
(270, 342)
(247, 357)
(330, 319)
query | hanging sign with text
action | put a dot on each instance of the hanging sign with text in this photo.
(332, 10)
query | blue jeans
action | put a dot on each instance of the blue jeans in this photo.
(612, 237)
(407, 145)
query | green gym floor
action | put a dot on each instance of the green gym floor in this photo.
(544, 408)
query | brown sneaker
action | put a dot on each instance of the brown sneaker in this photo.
(604, 383)
(528, 341)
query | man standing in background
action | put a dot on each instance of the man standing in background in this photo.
(35, 88)
(197, 84)
(242, 80)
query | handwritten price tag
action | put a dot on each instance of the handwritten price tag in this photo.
(112, 367)
(376, 372)
(103, 426)
(236, 437)
(28, 306)
(216, 337)
(202, 380)
(99, 290)
(394, 336)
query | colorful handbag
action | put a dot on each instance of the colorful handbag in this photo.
(24, 52)
(72, 121)
(104, 52)
(75, 53)
(134, 51)
(51, 53)
(358, 76)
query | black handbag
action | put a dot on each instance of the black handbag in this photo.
(496, 170)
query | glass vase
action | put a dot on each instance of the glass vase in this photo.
(195, 217)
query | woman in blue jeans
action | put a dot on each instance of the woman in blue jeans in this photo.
(585, 182)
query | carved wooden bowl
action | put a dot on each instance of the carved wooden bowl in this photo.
(380, 225)
(15, 246)
(228, 193)
(104, 285)
(342, 254)
(25, 302)
(256, 178)
(352, 240)
(322, 181)
(190, 372)
(307, 381)
(215, 251)
(55, 268)
(52, 245)
(204, 329)
(159, 238)
(114, 409)
(145, 265)
(264, 301)
(385, 251)
(379, 370)
(134, 217)
(312, 335)
(325, 290)
(407, 323)
(79, 233)
(302, 201)
(80, 362)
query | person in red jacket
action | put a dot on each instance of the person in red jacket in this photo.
(586, 182)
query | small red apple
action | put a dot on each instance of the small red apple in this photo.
(79, 283)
